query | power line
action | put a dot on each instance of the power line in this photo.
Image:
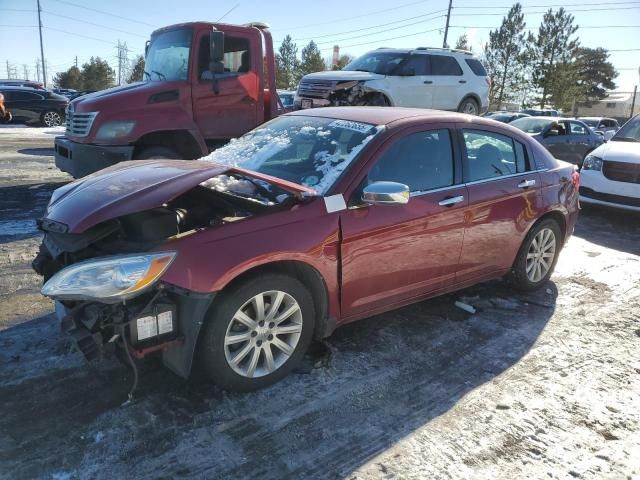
(386, 39)
(581, 26)
(128, 19)
(351, 18)
(373, 26)
(92, 23)
(539, 13)
(228, 11)
(581, 4)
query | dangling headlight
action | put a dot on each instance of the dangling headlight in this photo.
(108, 279)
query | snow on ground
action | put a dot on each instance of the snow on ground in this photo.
(542, 386)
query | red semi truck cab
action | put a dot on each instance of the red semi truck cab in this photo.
(204, 84)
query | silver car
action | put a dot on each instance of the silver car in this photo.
(608, 126)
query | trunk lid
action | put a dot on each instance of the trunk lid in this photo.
(134, 186)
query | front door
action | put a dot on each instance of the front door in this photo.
(413, 85)
(391, 254)
(236, 108)
(504, 200)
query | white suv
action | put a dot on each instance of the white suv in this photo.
(444, 79)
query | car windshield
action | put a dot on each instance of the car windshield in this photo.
(377, 62)
(630, 131)
(593, 123)
(310, 151)
(530, 125)
(168, 55)
(286, 98)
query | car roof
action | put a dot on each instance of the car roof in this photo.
(389, 115)
(22, 89)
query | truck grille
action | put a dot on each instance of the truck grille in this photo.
(78, 124)
(316, 88)
(622, 171)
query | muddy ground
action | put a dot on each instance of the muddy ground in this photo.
(545, 385)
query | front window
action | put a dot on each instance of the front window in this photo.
(593, 123)
(530, 125)
(310, 151)
(168, 55)
(630, 131)
(384, 63)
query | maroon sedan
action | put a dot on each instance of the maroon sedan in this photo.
(310, 221)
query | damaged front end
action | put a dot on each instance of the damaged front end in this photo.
(108, 242)
(336, 93)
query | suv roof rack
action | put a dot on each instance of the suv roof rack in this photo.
(454, 50)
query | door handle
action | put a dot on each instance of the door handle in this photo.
(462, 81)
(447, 202)
(428, 82)
(527, 184)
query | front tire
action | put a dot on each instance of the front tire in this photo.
(257, 332)
(51, 118)
(537, 256)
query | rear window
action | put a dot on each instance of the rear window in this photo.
(443, 65)
(476, 67)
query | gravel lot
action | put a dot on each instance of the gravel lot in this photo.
(545, 385)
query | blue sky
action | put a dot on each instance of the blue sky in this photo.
(72, 31)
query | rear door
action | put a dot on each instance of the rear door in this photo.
(391, 254)
(25, 106)
(504, 200)
(580, 140)
(238, 106)
(448, 81)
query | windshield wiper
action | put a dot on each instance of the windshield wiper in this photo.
(161, 75)
(625, 139)
(147, 74)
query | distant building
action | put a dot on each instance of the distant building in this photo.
(336, 56)
(616, 105)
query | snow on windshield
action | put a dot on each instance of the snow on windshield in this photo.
(310, 151)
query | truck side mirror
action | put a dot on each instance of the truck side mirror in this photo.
(216, 49)
(146, 48)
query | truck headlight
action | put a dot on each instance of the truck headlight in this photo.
(108, 279)
(115, 129)
(592, 163)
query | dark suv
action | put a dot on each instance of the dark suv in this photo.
(28, 105)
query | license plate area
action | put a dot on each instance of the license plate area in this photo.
(306, 103)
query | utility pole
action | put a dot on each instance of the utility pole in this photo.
(633, 102)
(446, 27)
(8, 71)
(38, 69)
(44, 70)
(26, 71)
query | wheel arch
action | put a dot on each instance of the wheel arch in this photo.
(474, 97)
(182, 141)
(555, 215)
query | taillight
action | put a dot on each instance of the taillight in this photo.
(575, 179)
(488, 80)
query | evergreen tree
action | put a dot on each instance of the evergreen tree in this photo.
(553, 49)
(343, 61)
(72, 78)
(97, 74)
(463, 43)
(287, 64)
(506, 58)
(137, 71)
(311, 60)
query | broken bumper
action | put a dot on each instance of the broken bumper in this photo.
(79, 159)
(170, 323)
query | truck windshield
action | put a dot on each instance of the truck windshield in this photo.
(383, 63)
(309, 151)
(168, 56)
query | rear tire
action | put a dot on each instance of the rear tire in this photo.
(245, 345)
(157, 152)
(51, 118)
(469, 106)
(537, 256)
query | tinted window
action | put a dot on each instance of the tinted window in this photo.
(25, 96)
(491, 155)
(577, 129)
(423, 161)
(378, 62)
(476, 67)
(443, 65)
(418, 64)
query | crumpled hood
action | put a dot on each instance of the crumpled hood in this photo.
(342, 75)
(619, 151)
(134, 186)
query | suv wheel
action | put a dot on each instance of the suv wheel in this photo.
(537, 256)
(51, 118)
(469, 106)
(376, 100)
(257, 333)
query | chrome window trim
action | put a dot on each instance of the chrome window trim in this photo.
(418, 193)
(492, 179)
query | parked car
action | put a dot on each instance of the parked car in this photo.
(67, 92)
(286, 97)
(22, 83)
(313, 220)
(80, 93)
(507, 117)
(29, 105)
(438, 78)
(566, 139)
(546, 112)
(611, 173)
(608, 126)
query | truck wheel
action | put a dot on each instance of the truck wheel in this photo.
(156, 152)
(469, 106)
(51, 118)
(537, 256)
(257, 332)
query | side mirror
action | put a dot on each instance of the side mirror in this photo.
(386, 193)
(146, 48)
(216, 51)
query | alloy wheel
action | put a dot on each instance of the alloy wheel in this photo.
(263, 334)
(541, 254)
(52, 119)
(469, 107)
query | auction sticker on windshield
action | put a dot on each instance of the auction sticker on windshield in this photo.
(349, 125)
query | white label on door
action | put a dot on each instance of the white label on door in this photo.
(335, 203)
